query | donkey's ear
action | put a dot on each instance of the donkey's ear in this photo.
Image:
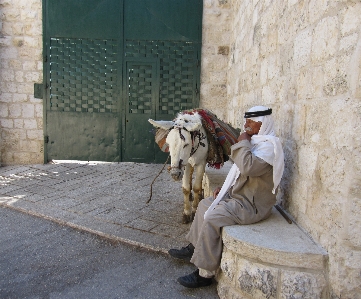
(192, 126)
(164, 124)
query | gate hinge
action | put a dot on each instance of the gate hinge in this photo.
(38, 90)
(46, 139)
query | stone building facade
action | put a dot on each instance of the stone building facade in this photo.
(300, 57)
(303, 59)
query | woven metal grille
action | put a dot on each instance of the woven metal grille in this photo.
(83, 75)
(177, 65)
(140, 89)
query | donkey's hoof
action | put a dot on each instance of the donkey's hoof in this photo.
(187, 218)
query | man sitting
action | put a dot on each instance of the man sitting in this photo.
(247, 196)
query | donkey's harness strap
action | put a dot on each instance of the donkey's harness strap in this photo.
(200, 136)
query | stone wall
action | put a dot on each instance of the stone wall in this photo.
(21, 115)
(303, 59)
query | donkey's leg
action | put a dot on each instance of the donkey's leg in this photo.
(197, 186)
(187, 194)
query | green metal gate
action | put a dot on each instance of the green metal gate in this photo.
(109, 66)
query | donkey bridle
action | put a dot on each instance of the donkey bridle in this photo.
(194, 135)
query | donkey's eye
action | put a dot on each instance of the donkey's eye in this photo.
(185, 145)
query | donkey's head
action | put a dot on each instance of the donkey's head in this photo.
(179, 140)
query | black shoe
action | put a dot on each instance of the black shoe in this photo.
(185, 253)
(193, 280)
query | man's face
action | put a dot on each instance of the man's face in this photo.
(252, 127)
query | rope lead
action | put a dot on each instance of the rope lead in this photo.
(151, 185)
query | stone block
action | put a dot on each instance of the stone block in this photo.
(29, 146)
(256, 280)
(302, 285)
(19, 76)
(354, 224)
(273, 67)
(15, 64)
(302, 48)
(7, 123)
(35, 135)
(349, 42)
(218, 77)
(18, 123)
(27, 110)
(4, 110)
(30, 124)
(32, 42)
(351, 18)
(14, 110)
(22, 158)
(20, 97)
(268, 95)
(264, 72)
(10, 14)
(316, 9)
(7, 75)
(32, 77)
(26, 88)
(229, 265)
(38, 110)
(17, 28)
(325, 39)
(227, 292)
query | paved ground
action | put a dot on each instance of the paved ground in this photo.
(106, 199)
(43, 260)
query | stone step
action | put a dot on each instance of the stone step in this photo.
(275, 241)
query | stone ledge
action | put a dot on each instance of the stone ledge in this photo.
(275, 241)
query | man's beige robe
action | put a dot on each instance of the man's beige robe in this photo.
(250, 200)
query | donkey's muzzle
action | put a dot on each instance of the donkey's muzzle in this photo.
(176, 174)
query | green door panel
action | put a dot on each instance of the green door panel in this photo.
(83, 136)
(83, 92)
(142, 95)
(179, 20)
(84, 18)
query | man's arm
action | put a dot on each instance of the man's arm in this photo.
(248, 164)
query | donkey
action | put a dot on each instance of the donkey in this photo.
(188, 147)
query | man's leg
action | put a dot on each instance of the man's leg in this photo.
(208, 247)
(185, 253)
(197, 223)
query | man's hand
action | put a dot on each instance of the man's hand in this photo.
(216, 191)
(244, 136)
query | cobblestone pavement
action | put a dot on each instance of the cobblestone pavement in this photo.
(108, 199)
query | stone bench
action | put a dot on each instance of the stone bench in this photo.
(269, 259)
